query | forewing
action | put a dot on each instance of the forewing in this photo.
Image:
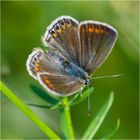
(58, 84)
(97, 40)
(62, 35)
(50, 62)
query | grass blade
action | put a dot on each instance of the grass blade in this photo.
(112, 133)
(99, 118)
(31, 115)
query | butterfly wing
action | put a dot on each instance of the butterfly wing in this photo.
(96, 42)
(38, 61)
(62, 35)
(60, 85)
(46, 67)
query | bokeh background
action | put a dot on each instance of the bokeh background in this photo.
(23, 23)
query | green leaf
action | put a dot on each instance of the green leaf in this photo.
(99, 118)
(79, 98)
(31, 115)
(66, 123)
(58, 105)
(44, 95)
(112, 133)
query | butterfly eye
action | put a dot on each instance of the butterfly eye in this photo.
(87, 82)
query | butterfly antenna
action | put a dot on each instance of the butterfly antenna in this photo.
(108, 76)
(88, 105)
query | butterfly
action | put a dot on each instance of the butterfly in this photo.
(75, 51)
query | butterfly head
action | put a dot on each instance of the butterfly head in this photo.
(88, 82)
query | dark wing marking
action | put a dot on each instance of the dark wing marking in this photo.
(62, 35)
(97, 39)
(58, 84)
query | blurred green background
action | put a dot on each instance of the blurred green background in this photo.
(23, 23)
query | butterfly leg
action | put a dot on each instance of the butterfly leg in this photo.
(81, 93)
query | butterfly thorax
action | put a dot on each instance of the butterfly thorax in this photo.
(74, 71)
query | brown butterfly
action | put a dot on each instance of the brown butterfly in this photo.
(76, 51)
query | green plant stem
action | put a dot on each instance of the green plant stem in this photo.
(50, 134)
(66, 123)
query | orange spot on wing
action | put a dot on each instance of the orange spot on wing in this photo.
(54, 35)
(90, 30)
(99, 31)
(63, 26)
(59, 30)
(49, 83)
(37, 65)
(37, 69)
(37, 61)
(68, 24)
